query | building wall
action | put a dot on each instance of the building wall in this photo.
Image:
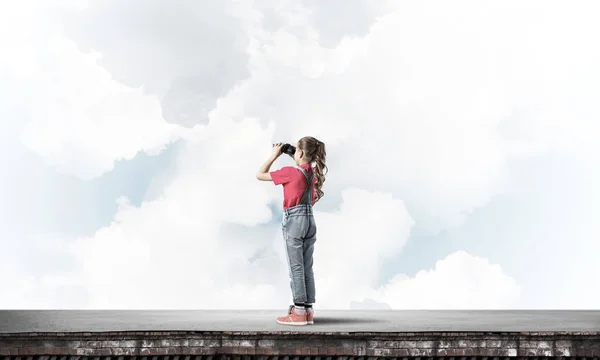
(263, 345)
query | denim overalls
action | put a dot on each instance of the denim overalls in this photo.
(300, 234)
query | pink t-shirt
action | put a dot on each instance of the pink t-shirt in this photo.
(294, 184)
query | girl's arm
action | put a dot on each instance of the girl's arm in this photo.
(263, 173)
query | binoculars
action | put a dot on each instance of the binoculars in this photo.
(288, 149)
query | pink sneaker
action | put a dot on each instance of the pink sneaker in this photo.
(294, 317)
(310, 315)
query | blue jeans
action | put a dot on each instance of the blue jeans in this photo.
(300, 235)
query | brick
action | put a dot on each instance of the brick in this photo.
(266, 343)
(382, 352)
(129, 344)
(491, 352)
(544, 345)
(536, 344)
(493, 343)
(230, 343)
(503, 352)
(546, 352)
(400, 352)
(118, 351)
(564, 343)
(591, 352)
(209, 351)
(350, 351)
(373, 344)
(424, 344)
(196, 342)
(407, 344)
(247, 343)
(445, 345)
(80, 352)
(466, 344)
(110, 344)
(168, 343)
(534, 352)
(74, 344)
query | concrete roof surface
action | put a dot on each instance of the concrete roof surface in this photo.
(14, 321)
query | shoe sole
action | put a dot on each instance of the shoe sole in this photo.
(292, 323)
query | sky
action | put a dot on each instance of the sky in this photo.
(461, 147)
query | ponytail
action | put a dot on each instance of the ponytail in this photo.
(315, 151)
(320, 169)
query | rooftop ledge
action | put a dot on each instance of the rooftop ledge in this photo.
(246, 335)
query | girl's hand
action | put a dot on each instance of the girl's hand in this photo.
(277, 149)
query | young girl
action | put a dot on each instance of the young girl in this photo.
(302, 187)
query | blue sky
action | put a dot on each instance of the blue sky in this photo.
(461, 152)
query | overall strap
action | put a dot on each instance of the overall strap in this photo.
(308, 193)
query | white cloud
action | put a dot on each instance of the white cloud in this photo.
(194, 265)
(417, 124)
(188, 54)
(24, 285)
(82, 121)
(186, 252)
(419, 101)
(352, 242)
(460, 281)
(181, 250)
(421, 113)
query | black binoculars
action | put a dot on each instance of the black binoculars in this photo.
(288, 149)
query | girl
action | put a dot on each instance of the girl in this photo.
(302, 187)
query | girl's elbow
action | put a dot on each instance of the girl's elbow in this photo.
(263, 176)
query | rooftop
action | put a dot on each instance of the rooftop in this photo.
(28, 321)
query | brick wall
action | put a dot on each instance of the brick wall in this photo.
(299, 346)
